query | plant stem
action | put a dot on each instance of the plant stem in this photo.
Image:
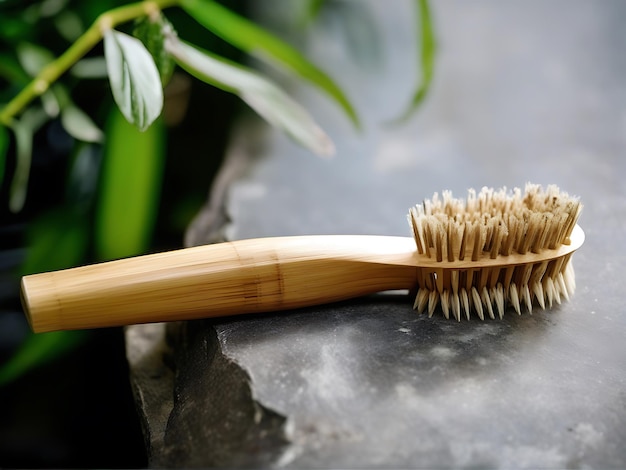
(50, 73)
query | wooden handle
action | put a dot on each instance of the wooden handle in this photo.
(247, 276)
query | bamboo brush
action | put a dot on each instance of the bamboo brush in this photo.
(480, 254)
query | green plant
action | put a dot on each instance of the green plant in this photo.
(139, 67)
(123, 194)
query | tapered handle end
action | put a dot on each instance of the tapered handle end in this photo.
(35, 303)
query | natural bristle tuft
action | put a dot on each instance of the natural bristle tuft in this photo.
(505, 227)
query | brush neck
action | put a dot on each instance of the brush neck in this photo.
(574, 242)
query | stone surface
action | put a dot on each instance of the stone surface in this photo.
(524, 91)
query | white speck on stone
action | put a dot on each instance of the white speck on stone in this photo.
(441, 352)
(588, 435)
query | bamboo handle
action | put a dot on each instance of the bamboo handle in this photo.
(247, 276)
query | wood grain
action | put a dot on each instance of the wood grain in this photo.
(247, 276)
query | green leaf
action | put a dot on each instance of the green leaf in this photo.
(38, 350)
(14, 27)
(24, 129)
(83, 178)
(130, 188)
(4, 147)
(312, 10)
(79, 125)
(11, 70)
(90, 67)
(134, 79)
(262, 95)
(52, 8)
(33, 57)
(24, 153)
(428, 52)
(69, 25)
(250, 38)
(152, 31)
(58, 239)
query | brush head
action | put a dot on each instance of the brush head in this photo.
(495, 248)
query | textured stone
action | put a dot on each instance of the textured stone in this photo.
(523, 92)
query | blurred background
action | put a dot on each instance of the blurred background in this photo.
(65, 399)
(81, 184)
(512, 80)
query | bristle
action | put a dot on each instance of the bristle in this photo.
(421, 300)
(494, 224)
(514, 298)
(498, 294)
(433, 299)
(487, 301)
(478, 305)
